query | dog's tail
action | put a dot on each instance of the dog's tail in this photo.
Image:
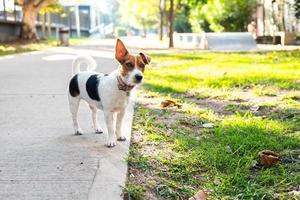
(83, 60)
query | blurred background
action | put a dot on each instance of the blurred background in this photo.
(177, 22)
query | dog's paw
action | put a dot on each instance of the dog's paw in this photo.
(98, 131)
(121, 138)
(110, 143)
(78, 132)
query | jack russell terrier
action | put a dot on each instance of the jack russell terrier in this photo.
(108, 92)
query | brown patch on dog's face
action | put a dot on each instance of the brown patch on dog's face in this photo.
(140, 63)
(128, 65)
(133, 62)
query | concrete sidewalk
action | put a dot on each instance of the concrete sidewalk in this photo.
(40, 157)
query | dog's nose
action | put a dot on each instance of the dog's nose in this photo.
(138, 77)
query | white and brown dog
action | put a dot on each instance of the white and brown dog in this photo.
(108, 92)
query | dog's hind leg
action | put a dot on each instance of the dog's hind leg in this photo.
(97, 127)
(74, 105)
(119, 133)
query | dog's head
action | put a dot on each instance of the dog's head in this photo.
(132, 66)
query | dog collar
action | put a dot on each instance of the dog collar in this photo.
(123, 86)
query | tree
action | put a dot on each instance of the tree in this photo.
(30, 10)
(171, 21)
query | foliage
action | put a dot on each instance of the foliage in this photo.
(56, 7)
(181, 21)
(141, 14)
(221, 15)
(134, 192)
(36, 4)
(297, 8)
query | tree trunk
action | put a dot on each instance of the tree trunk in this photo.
(30, 10)
(28, 23)
(161, 15)
(171, 20)
(161, 25)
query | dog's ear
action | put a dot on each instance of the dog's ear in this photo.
(146, 58)
(121, 51)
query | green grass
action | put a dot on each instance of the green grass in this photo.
(221, 70)
(21, 47)
(174, 156)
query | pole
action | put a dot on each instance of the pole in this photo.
(77, 20)
(4, 10)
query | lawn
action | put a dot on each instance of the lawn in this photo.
(233, 105)
(23, 46)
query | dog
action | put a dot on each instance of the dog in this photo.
(107, 92)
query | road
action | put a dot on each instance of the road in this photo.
(40, 157)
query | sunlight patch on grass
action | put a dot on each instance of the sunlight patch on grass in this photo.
(21, 47)
(224, 71)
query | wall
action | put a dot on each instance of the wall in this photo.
(9, 31)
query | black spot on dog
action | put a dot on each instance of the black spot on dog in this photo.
(92, 87)
(73, 86)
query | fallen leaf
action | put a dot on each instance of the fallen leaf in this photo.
(169, 103)
(208, 125)
(298, 81)
(201, 195)
(268, 158)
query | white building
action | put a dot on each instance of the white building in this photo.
(84, 15)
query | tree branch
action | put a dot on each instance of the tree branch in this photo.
(43, 3)
(20, 2)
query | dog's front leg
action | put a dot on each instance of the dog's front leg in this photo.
(119, 132)
(111, 137)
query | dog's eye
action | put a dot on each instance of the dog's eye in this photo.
(129, 65)
(142, 66)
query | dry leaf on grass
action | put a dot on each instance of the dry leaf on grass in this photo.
(201, 195)
(298, 81)
(169, 103)
(268, 158)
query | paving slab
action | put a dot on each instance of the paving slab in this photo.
(40, 157)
